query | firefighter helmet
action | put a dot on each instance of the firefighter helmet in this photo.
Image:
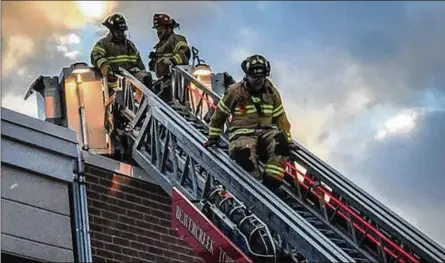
(256, 66)
(115, 22)
(160, 20)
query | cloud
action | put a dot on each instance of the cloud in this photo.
(46, 36)
(342, 81)
(33, 33)
(66, 44)
(406, 172)
(401, 124)
(16, 102)
(407, 57)
(43, 18)
(373, 108)
(190, 15)
(244, 43)
(18, 48)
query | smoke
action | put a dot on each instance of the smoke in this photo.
(27, 24)
(18, 47)
(42, 37)
(43, 18)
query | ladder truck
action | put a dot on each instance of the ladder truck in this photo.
(218, 209)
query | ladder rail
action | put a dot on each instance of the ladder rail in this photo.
(355, 248)
(297, 232)
(261, 201)
(426, 248)
(383, 215)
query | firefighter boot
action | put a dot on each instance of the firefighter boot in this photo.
(244, 158)
(243, 149)
(273, 185)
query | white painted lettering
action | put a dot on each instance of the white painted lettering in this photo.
(224, 258)
(203, 238)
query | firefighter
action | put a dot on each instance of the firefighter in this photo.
(115, 50)
(259, 129)
(108, 54)
(171, 50)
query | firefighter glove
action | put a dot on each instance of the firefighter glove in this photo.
(135, 70)
(105, 69)
(211, 142)
(151, 65)
(152, 55)
(293, 146)
(169, 62)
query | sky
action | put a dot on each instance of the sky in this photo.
(363, 82)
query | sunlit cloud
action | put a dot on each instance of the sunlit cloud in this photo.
(18, 47)
(401, 124)
(92, 9)
(66, 43)
(16, 103)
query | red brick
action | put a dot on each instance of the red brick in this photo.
(155, 250)
(127, 236)
(160, 214)
(130, 221)
(126, 220)
(146, 256)
(93, 211)
(108, 199)
(98, 188)
(170, 254)
(97, 243)
(109, 215)
(125, 204)
(97, 259)
(122, 258)
(116, 193)
(100, 205)
(104, 253)
(102, 237)
(121, 241)
(130, 252)
(133, 199)
(93, 195)
(113, 248)
(145, 240)
(135, 215)
(138, 246)
(117, 209)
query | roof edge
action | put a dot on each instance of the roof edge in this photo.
(117, 167)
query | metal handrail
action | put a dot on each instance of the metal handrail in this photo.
(289, 216)
(356, 196)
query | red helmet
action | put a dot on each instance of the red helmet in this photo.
(160, 20)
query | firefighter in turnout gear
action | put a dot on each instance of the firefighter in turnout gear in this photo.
(171, 50)
(115, 50)
(108, 54)
(259, 129)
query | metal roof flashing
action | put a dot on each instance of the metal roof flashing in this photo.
(38, 146)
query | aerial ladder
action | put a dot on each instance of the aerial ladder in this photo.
(323, 217)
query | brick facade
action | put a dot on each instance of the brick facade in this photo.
(130, 221)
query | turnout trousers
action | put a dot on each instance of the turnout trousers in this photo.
(164, 89)
(267, 146)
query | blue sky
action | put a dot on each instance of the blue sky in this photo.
(364, 82)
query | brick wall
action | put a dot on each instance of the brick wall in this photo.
(130, 221)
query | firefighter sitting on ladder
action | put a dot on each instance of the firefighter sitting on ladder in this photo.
(259, 128)
(171, 50)
(111, 52)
